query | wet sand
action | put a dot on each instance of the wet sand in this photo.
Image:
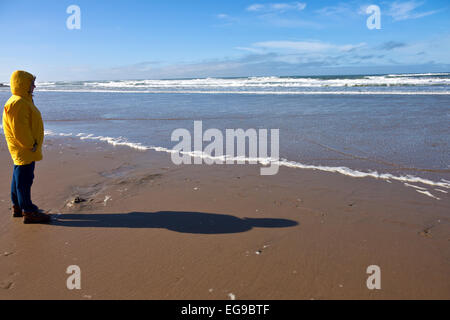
(143, 228)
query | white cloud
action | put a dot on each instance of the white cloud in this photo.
(307, 46)
(282, 22)
(406, 10)
(249, 49)
(277, 7)
(341, 9)
(255, 7)
(225, 19)
(282, 14)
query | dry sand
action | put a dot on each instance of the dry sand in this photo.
(151, 230)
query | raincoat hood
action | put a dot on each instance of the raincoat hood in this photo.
(21, 83)
(22, 121)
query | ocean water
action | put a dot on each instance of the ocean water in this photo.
(392, 127)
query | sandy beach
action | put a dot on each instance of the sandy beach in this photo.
(336, 111)
(143, 228)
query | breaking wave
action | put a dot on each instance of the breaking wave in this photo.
(437, 83)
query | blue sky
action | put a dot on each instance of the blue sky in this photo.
(148, 39)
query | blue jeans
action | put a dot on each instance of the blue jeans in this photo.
(21, 183)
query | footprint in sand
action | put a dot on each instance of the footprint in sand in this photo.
(426, 233)
(118, 172)
(148, 178)
(6, 284)
(277, 203)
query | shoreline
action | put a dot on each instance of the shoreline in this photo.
(151, 230)
(359, 173)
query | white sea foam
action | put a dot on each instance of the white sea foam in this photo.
(272, 82)
(115, 141)
(413, 186)
(361, 174)
(419, 74)
(51, 133)
(407, 179)
(45, 84)
(427, 193)
(255, 92)
(255, 85)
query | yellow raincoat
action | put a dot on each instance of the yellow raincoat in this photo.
(22, 121)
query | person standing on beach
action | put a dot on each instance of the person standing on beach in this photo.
(24, 133)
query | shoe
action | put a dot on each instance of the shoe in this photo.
(17, 212)
(35, 217)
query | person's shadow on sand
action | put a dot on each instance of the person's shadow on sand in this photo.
(184, 222)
